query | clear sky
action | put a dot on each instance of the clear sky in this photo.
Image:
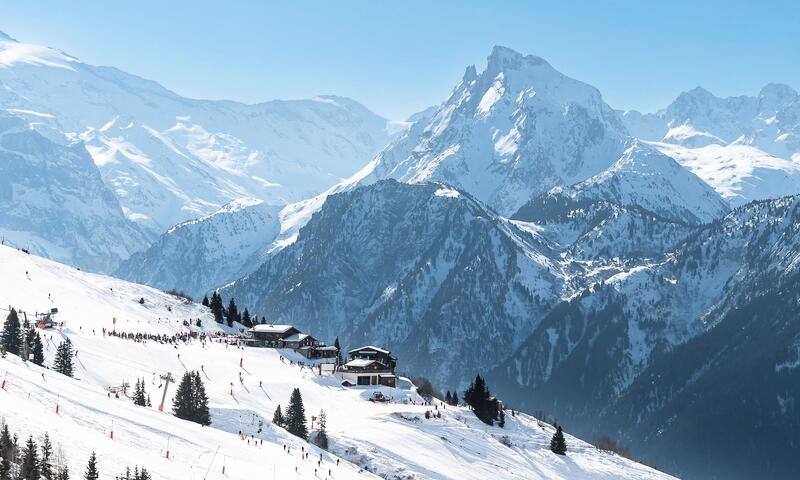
(400, 57)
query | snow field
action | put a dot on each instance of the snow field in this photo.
(394, 440)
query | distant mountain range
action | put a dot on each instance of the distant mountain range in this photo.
(623, 271)
(169, 159)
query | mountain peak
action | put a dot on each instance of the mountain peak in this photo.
(504, 58)
(7, 37)
(775, 96)
(698, 92)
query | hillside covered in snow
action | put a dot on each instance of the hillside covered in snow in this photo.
(746, 147)
(168, 159)
(368, 440)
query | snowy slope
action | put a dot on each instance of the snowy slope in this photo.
(408, 265)
(682, 311)
(746, 147)
(646, 178)
(53, 201)
(214, 250)
(385, 438)
(740, 173)
(169, 158)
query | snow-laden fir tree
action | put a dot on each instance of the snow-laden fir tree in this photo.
(63, 361)
(232, 314)
(35, 347)
(558, 444)
(136, 474)
(92, 472)
(191, 402)
(321, 438)
(139, 394)
(216, 307)
(277, 418)
(29, 467)
(246, 320)
(46, 458)
(478, 397)
(12, 338)
(295, 416)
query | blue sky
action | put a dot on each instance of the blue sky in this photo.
(399, 57)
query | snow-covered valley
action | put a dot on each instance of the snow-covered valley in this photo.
(393, 440)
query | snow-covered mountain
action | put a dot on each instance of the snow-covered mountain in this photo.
(646, 178)
(170, 159)
(665, 334)
(606, 288)
(746, 147)
(424, 268)
(198, 255)
(53, 201)
(366, 440)
(516, 129)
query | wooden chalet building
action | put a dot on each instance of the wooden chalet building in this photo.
(370, 366)
(268, 335)
(288, 336)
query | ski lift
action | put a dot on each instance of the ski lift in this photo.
(47, 320)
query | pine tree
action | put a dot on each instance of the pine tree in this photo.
(12, 339)
(46, 460)
(246, 320)
(91, 469)
(502, 422)
(63, 473)
(36, 348)
(233, 313)
(191, 401)
(277, 418)
(182, 403)
(202, 414)
(448, 399)
(63, 361)
(29, 468)
(296, 416)
(478, 397)
(6, 443)
(139, 394)
(216, 307)
(205, 300)
(7, 452)
(338, 352)
(321, 439)
(455, 399)
(5, 468)
(557, 444)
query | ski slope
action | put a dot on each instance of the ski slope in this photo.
(244, 385)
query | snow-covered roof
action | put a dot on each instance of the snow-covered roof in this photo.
(269, 328)
(369, 347)
(328, 348)
(297, 337)
(361, 362)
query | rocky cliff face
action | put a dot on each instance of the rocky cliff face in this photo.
(53, 201)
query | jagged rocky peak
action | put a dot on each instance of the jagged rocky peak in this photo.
(776, 96)
(516, 129)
